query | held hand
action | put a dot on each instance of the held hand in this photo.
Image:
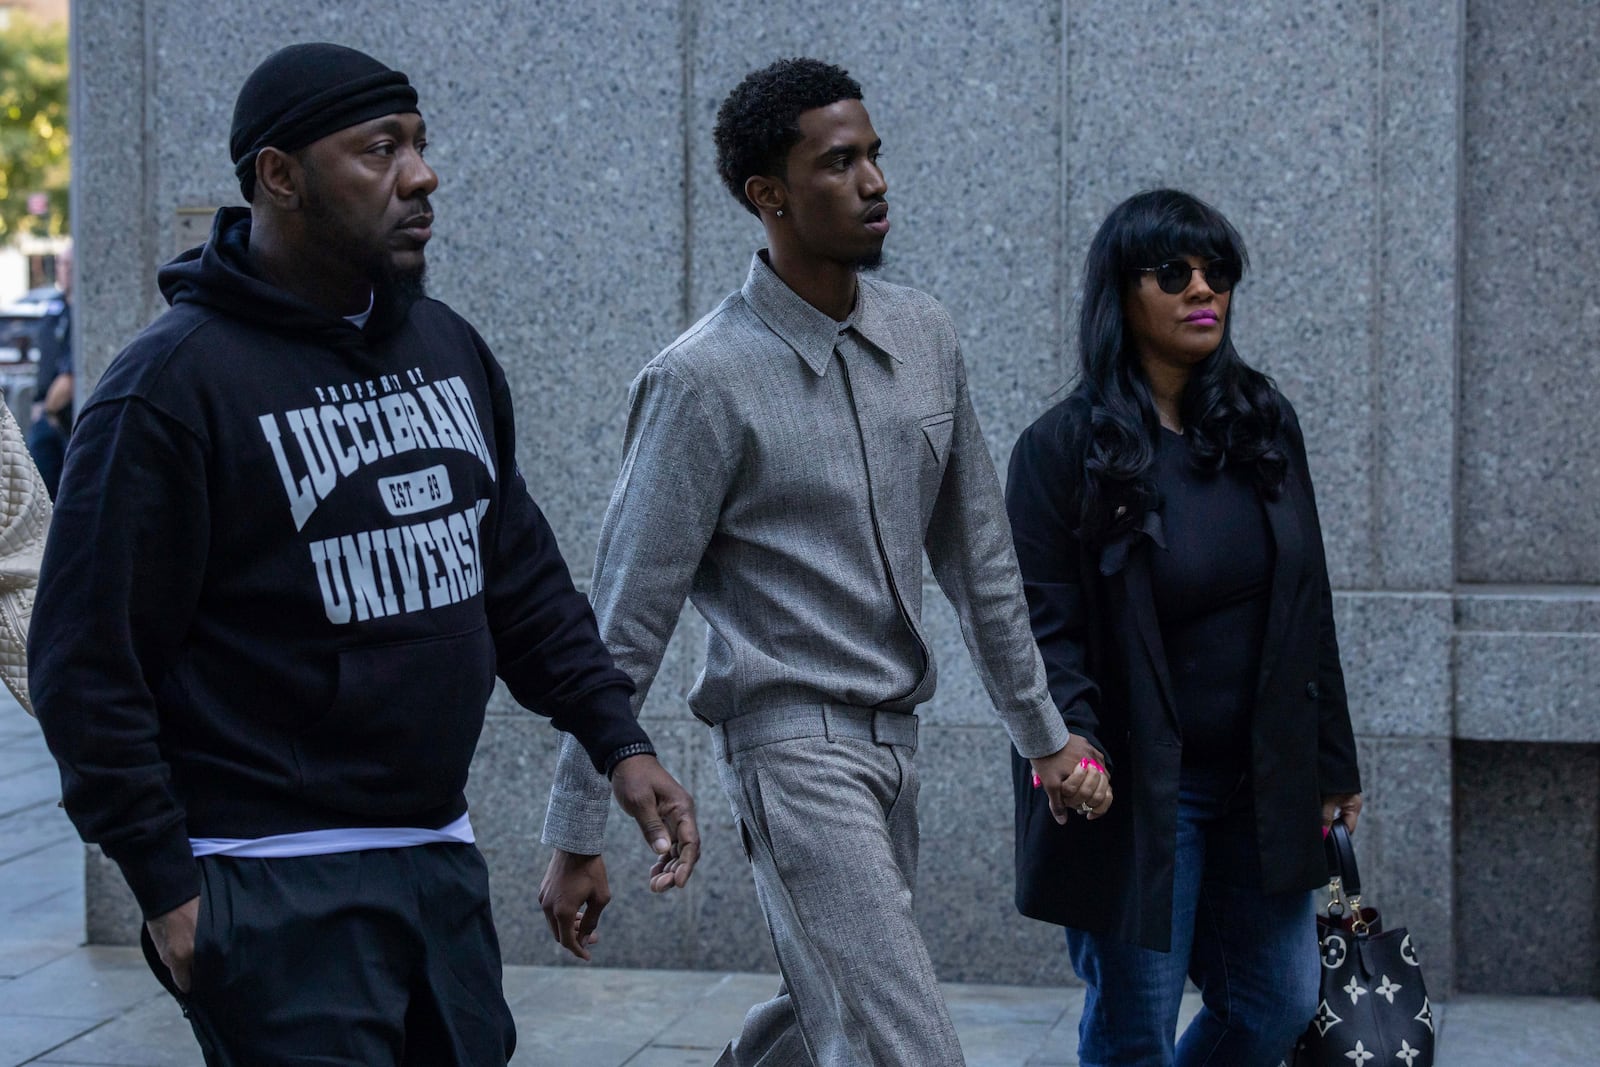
(1072, 786)
(664, 811)
(1344, 806)
(173, 934)
(573, 894)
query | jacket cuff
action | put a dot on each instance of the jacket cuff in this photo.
(604, 725)
(1045, 735)
(576, 824)
(162, 874)
(638, 748)
(1336, 778)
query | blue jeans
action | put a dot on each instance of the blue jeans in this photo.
(1252, 955)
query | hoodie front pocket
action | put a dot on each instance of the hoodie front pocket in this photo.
(403, 725)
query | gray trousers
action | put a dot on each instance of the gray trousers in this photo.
(826, 803)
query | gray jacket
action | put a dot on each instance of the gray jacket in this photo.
(785, 473)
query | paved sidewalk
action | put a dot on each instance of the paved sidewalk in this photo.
(62, 1003)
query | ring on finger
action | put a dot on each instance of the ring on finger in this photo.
(1085, 808)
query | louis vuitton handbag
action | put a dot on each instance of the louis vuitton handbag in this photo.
(1373, 1009)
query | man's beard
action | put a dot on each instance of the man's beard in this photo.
(401, 285)
(870, 262)
(404, 287)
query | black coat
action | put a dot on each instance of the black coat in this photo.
(1094, 617)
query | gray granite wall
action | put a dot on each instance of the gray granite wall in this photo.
(1530, 445)
(1410, 187)
(1527, 643)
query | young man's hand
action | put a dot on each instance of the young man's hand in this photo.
(664, 811)
(573, 894)
(1074, 784)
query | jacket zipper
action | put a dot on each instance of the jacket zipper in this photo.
(877, 536)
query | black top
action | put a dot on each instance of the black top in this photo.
(1212, 587)
(288, 559)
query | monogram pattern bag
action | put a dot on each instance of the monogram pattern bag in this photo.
(1373, 1010)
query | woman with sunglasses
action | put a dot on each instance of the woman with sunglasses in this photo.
(1173, 561)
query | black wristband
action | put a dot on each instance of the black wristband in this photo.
(638, 748)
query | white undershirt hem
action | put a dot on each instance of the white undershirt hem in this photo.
(329, 842)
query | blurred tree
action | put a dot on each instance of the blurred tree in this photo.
(34, 147)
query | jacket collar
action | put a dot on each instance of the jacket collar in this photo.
(812, 334)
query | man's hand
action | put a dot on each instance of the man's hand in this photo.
(58, 395)
(1343, 806)
(1070, 785)
(573, 894)
(664, 810)
(173, 934)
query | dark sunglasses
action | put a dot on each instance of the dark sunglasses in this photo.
(1173, 275)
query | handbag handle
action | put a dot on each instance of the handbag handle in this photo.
(1345, 875)
(1342, 858)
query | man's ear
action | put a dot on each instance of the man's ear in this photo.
(279, 177)
(767, 193)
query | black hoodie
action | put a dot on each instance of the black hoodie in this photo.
(288, 559)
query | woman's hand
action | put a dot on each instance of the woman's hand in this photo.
(1343, 806)
(1075, 780)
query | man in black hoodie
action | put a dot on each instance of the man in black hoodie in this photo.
(291, 553)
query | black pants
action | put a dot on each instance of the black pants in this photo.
(385, 958)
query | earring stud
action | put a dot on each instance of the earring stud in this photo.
(780, 212)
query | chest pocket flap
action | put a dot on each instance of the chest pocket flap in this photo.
(937, 429)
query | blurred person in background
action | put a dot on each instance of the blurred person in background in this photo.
(52, 396)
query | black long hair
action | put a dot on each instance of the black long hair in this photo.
(1231, 412)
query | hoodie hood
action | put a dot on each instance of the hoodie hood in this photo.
(217, 275)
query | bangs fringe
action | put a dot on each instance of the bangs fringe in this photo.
(1170, 227)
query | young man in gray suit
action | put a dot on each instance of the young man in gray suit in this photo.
(786, 464)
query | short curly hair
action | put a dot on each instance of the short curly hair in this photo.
(760, 120)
